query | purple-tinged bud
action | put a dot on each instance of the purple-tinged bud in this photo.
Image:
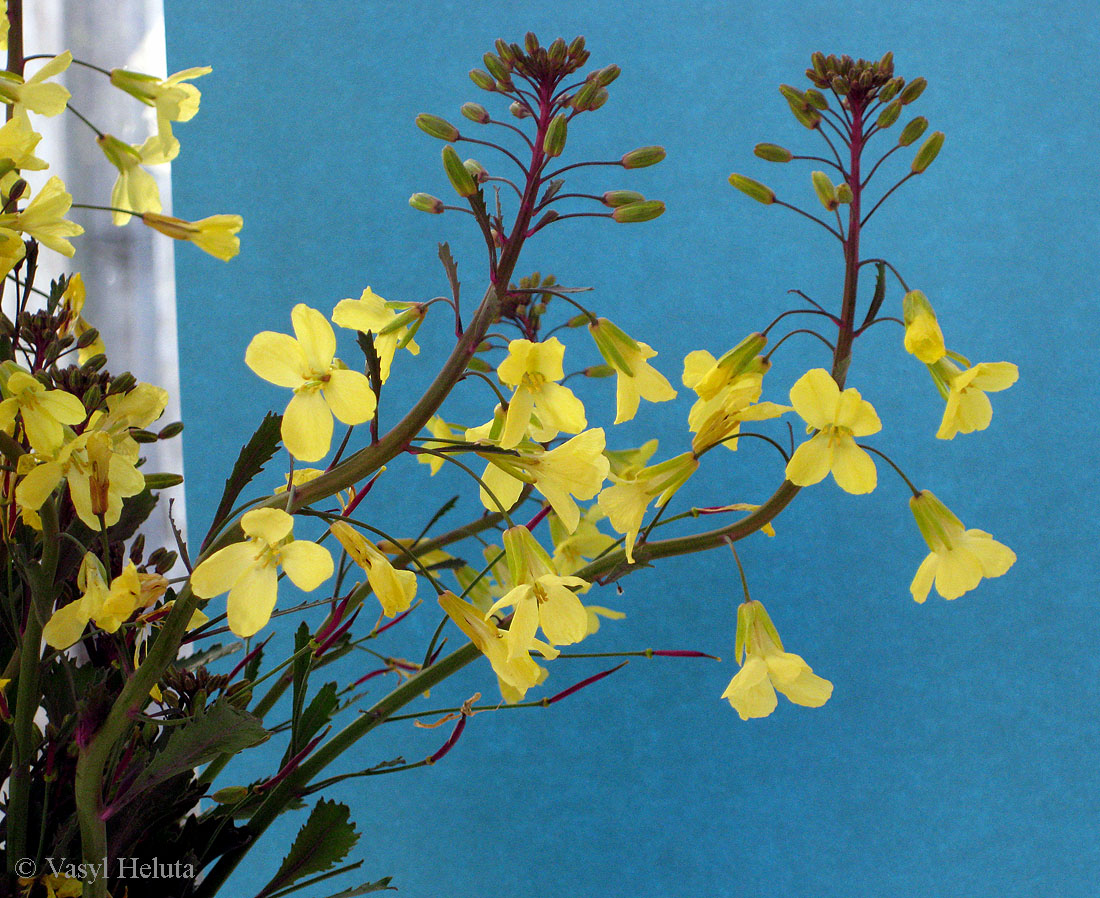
(519, 110)
(616, 198)
(483, 80)
(759, 192)
(929, 150)
(476, 169)
(557, 50)
(530, 42)
(643, 157)
(549, 217)
(598, 100)
(816, 99)
(505, 51)
(840, 86)
(912, 90)
(582, 100)
(553, 144)
(425, 202)
(772, 152)
(461, 180)
(606, 75)
(912, 132)
(818, 60)
(889, 114)
(886, 64)
(475, 112)
(598, 371)
(436, 127)
(890, 88)
(646, 210)
(496, 68)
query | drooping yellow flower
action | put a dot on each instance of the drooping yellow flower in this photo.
(540, 596)
(216, 234)
(36, 94)
(766, 667)
(107, 606)
(73, 299)
(923, 337)
(134, 189)
(637, 379)
(533, 369)
(838, 418)
(968, 408)
(572, 550)
(18, 141)
(626, 499)
(393, 324)
(43, 412)
(173, 98)
(959, 558)
(44, 220)
(394, 589)
(322, 386)
(574, 470)
(516, 672)
(248, 570)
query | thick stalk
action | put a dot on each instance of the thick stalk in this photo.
(28, 696)
(842, 357)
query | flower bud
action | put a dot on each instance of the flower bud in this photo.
(436, 127)
(530, 42)
(598, 100)
(92, 397)
(170, 430)
(556, 51)
(816, 99)
(772, 152)
(496, 67)
(87, 338)
(643, 157)
(616, 198)
(754, 189)
(889, 90)
(911, 132)
(929, 150)
(505, 51)
(96, 362)
(923, 337)
(584, 97)
(912, 90)
(425, 202)
(577, 45)
(122, 383)
(475, 112)
(889, 114)
(483, 79)
(843, 193)
(818, 60)
(606, 75)
(598, 371)
(554, 142)
(635, 212)
(825, 190)
(519, 110)
(461, 180)
(840, 86)
(476, 169)
(162, 481)
(793, 94)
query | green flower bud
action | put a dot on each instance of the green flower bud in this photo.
(556, 51)
(645, 210)
(476, 364)
(643, 157)
(579, 320)
(461, 180)
(92, 397)
(773, 152)
(122, 383)
(87, 338)
(530, 42)
(825, 190)
(142, 436)
(505, 52)
(616, 198)
(889, 114)
(818, 60)
(475, 112)
(483, 79)
(554, 142)
(816, 99)
(436, 127)
(96, 362)
(843, 193)
(230, 795)
(912, 90)
(599, 371)
(840, 86)
(606, 75)
(754, 189)
(425, 202)
(598, 100)
(793, 94)
(476, 169)
(912, 131)
(929, 150)
(577, 46)
(519, 110)
(496, 68)
(162, 481)
(170, 430)
(583, 98)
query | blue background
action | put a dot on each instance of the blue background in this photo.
(958, 753)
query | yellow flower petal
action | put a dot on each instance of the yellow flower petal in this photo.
(272, 525)
(853, 469)
(815, 397)
(349, 395)
(307, 426)
(307, 564)
(277, 358)
(251, 601)
(315, 336)
(220, 571)
(811, 461)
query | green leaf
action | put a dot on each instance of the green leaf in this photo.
(323, 841)
(317, 713)
(880, 293)
(300, 669)
(451, 267)
(220, 729)
(254, 455)
(383, 885)
(208, 656)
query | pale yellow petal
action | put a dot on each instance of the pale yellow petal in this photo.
(926, 574)
(349, 395)
(307, 564)
(994, 557)
(811, 461)
(315, 336)
(268, 524)
(853, 469)
(958, 572)
(750, 692)
(251, 601)
(815, 397)
(557, 407)
(66, 625)
(307, 426)
(277, 358)
(220, 571)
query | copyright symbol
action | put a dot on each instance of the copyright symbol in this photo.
(25, 867)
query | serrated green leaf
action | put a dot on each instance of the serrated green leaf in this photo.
(254, 455)
(317, 713)
(208, 656)
(383, 885)
(880, 293)
(300, 669)
(323, 841)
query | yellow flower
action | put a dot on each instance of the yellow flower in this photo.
(516, 672)
(923, 337)
(626, 499)
(44, 412)
(766, 667)
(968, 408)
(533, 368)
(248, 570)
(34, 93)
(134, 189)
(959, 558)
(322, 386)
(541, 597)
(216, 234)
(107, 606)
(437, 427)
(173, 99)
(392, 331)
(18, 141)
(73, 300)
(43, 219)
(577, 468)
(393, 588)
(636, 380)
(838, 418)
(572, 550)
